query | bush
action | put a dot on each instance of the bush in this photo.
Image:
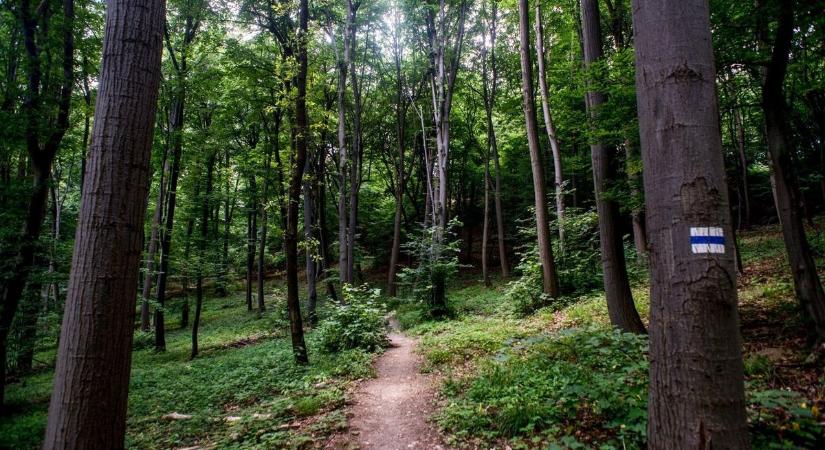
(358, 323)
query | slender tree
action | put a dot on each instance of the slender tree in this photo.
(620, 304)
(489, 75)
(88, 403)
(550, 280)
(297, 170)
(549, 126)
(696, 395)
(807, 285)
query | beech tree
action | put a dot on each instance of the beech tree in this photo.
(88, 402)
(789, 202)
(696, 395)
(620, 304)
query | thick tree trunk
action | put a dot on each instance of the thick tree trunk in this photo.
(696, 395)
(550, 283)
(89, 398)
(620, 304)
(550, 128)
(291, 233)
(807, 285)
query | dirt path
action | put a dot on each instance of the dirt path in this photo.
(390, 411)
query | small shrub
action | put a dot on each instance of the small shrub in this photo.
(358, 323)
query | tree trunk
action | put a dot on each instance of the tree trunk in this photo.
(550, 128)
(210, 164)
(743, 166)
(807, 285)
(291, 233)
(400, 175)
(176, 125)
(252, 238)
(153, 248)
(489, 103)
(343, 163)
(264, 215)
(91, 382)
(550, 283)
(485, 275)
(620, 304)
(696, 395)
(309, 237)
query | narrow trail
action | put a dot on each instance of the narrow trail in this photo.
(390, 412)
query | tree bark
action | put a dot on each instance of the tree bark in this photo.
(343, 162)
(153, 248)
(401, 104)
(550, 283)
(291, 233)
(696, 395)
(88, 402)
(807, 285)
(620, 304)
(550, 128)
(210, 165)
(309, 238)
(490, 90)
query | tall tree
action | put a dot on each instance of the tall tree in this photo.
(445, 59)
(620, 304)
(807, 285)
(489, 75)
(550, 282)
(89, 399)
(402, 103)
(696, 395)
(297, 170)
(191, 17)
(549, 126)
(42, 110)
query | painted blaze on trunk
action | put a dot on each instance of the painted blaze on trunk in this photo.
(696, 395)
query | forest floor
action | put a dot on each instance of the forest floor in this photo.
(489, 377)
(392, 411)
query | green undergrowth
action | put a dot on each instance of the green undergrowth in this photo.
(244, 391)
(562, 378)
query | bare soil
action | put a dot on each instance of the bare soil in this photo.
(392, 411)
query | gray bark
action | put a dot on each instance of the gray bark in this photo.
(696, 397)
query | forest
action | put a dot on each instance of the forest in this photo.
(412, 224)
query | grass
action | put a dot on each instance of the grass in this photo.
(242, 392)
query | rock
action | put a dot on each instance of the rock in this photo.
(177, 416)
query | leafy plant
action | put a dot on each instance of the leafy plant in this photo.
(436, 251)
(358, 323)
